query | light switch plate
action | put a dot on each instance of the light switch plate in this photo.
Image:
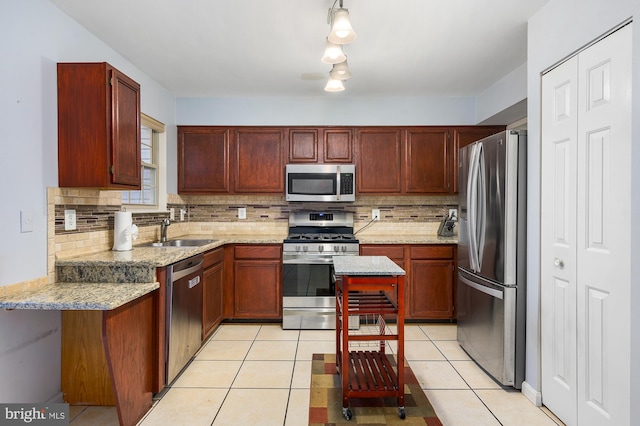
(172, 214)
(26, 221)
(182, 213)
(69, 220)
(453, 213)
(375, 214)
(242, 212)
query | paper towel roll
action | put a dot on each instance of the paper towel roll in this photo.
(122, 223)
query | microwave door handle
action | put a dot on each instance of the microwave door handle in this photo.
(338, 183)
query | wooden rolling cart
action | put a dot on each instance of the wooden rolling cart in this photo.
(369, 294)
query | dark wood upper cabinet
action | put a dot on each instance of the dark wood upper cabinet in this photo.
(98, 127)
(463, 136)
(379, 160)
(320, 145)
(428, 155)
(303, 145)
(337, 146)
(259, 160)
(203, 159)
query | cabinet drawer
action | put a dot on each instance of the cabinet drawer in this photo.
(392, 252)
(212, 257)
(432, 252)
(258, 252)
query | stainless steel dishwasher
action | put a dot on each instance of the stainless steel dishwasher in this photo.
(184, 314)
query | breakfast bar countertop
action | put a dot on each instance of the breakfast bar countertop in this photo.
(78, 296)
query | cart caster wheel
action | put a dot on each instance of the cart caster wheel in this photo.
(346, 412)
(402, 413)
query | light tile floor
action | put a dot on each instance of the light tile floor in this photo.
(253, 374)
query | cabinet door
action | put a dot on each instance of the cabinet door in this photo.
(125, 128)
(338, 146)
(98, 127)
(212, 298)
(303, 146)
(257, 289)
(428, 155)
(463, 136)
(379, 160)
(430, 294)
(259, 160)
(203, 160)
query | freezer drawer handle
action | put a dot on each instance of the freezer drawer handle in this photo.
(194, 281)
(559, 263)
(487, 290)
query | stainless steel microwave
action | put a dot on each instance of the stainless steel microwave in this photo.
(320, 182)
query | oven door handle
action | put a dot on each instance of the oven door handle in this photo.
(296, 260)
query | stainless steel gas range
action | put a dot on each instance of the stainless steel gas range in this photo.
(309, 285)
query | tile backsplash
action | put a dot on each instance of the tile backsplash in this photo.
(207, 214)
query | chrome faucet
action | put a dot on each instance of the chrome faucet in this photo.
(163, 229)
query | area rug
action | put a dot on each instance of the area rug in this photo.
(325, 406)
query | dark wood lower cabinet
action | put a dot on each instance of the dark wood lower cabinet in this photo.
(212, 300)
(431, 293)
(257, 282)
(108, 356)
(430, 281)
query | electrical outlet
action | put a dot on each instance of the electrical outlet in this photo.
(242, 212)
(375, 214)
(26, 221)
(69, 220)
(453, 213)
(182, 213)
(172, 214)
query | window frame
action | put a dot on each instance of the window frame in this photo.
(158, 140)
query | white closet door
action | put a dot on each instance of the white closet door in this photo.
(586, 276)
(558, 240)
(603, 219)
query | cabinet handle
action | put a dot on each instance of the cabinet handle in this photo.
(559, 263)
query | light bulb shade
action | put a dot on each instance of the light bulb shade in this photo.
(341, 31)
(333, 54)
(334, 85)
(340, 71)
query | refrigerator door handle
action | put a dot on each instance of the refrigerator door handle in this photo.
(484, 289)
(482, 207)
(472, 206)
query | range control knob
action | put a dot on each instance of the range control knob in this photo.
(321, 248)
(344, 249)
(305, 249)
(336, 248)
(297, 248)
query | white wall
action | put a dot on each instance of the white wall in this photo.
(555, 32)
(502, 96)
(34, 36)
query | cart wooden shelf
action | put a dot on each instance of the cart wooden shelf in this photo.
(366, 287)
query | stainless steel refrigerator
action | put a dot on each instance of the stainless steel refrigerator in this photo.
(491, 254)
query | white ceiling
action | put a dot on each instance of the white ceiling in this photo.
(214, 48)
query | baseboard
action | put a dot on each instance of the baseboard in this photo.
(57, 398)
(531, 394)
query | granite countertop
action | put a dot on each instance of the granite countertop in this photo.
(365, 265)
(113, 278)
(406, 239)
(154, 257)
(78, 296)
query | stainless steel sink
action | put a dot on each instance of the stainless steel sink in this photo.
(180, 243)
